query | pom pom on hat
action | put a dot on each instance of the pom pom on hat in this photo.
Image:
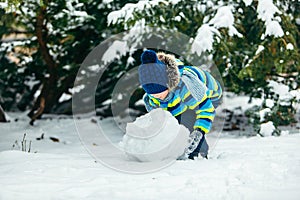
(149, 56)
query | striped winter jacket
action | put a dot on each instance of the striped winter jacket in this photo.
(213, 86)
(187, 91)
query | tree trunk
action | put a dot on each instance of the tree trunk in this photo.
(2, 115)
(28, 98)
(46, 99)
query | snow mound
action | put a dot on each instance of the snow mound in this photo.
(267, 129)
(155, 136)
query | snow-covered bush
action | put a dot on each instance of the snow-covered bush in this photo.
(262, 121)
(39, 53)
(279, 106)
(42, 47)
(251, 42)
(155, 136)
(267, 129)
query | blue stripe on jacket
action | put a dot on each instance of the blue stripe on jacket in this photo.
(214, 87)
(180, 100)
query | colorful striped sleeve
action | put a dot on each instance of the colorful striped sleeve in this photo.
(215, 89)
(149, 103)
(213, 85)
(205, 112)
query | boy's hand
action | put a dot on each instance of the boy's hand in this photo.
(194, 140)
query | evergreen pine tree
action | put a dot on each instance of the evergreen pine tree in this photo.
(261, 46)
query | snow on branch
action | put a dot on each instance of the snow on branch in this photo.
(225, 19)
(128, 43)
(274, 28)
(266, 12)
(205, 35)
(72, 10)
(9, 6)
(259, 49)
(107, 1)
(117, 48)
(126, 13)
(3, 5)
(248, 2)
(204, 39)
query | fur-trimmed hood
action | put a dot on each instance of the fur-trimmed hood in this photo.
(172, 69)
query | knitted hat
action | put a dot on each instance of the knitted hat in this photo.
(152, 73)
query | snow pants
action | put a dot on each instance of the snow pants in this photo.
(188, 119)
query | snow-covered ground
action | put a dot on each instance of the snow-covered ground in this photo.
(61, 168)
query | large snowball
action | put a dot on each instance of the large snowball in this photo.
(155, 136)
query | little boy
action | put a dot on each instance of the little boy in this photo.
(188, 93)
